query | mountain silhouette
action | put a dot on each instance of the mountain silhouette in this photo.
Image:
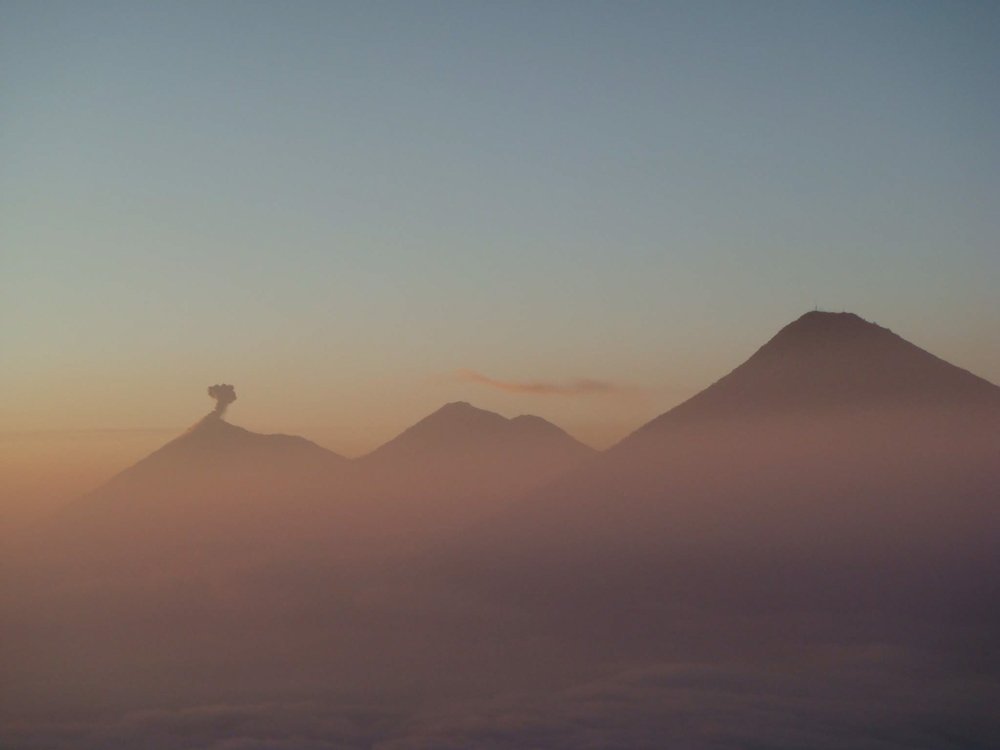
(460, 431)
(828, 362)
(210, 490)
(834, 457)
(214, 456)
(214, 445)
(461, 461)
(837, 490)
(221, 492)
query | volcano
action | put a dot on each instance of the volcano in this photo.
(459, 436)
(217, 491)
(828, 363)
(216, 451)
(228, 496)
(835, 457)
(461, 463)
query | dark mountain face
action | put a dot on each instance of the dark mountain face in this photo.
(214, 448)
(839, 466)
(214, 459)
(832, 363)
(220, 492)
(216, 490)
(460, 432)
(461, 463)
(836, 496)
(227, 553)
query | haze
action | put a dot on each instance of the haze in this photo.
(465, 281)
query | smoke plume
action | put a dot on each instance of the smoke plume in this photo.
(224, 395)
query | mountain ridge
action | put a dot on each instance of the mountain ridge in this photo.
(461, 420)
(793, 444)
(825, 361)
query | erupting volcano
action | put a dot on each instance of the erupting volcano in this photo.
(224, 394)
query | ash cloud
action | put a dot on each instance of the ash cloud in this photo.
(224, 394)
(576, 387)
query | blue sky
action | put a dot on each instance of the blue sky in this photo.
(335, 205)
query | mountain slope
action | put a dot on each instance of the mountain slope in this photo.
(215, 449)
(210, 491)
(462, 432)
(228, 496)
(839, 461)
(461, 461)
(825, 362)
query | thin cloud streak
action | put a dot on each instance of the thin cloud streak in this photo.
(576, 387)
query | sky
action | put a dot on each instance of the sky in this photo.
(356, 212)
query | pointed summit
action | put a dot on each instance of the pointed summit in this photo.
(212, 441)
(460, 429)
(457, 420)
(827, 361)
(464, 458)
(842, 338)
(838, 446)
(212, 459)
(818, 323)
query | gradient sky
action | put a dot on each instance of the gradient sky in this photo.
(356, 212)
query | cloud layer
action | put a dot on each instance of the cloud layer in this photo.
(877, 700)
